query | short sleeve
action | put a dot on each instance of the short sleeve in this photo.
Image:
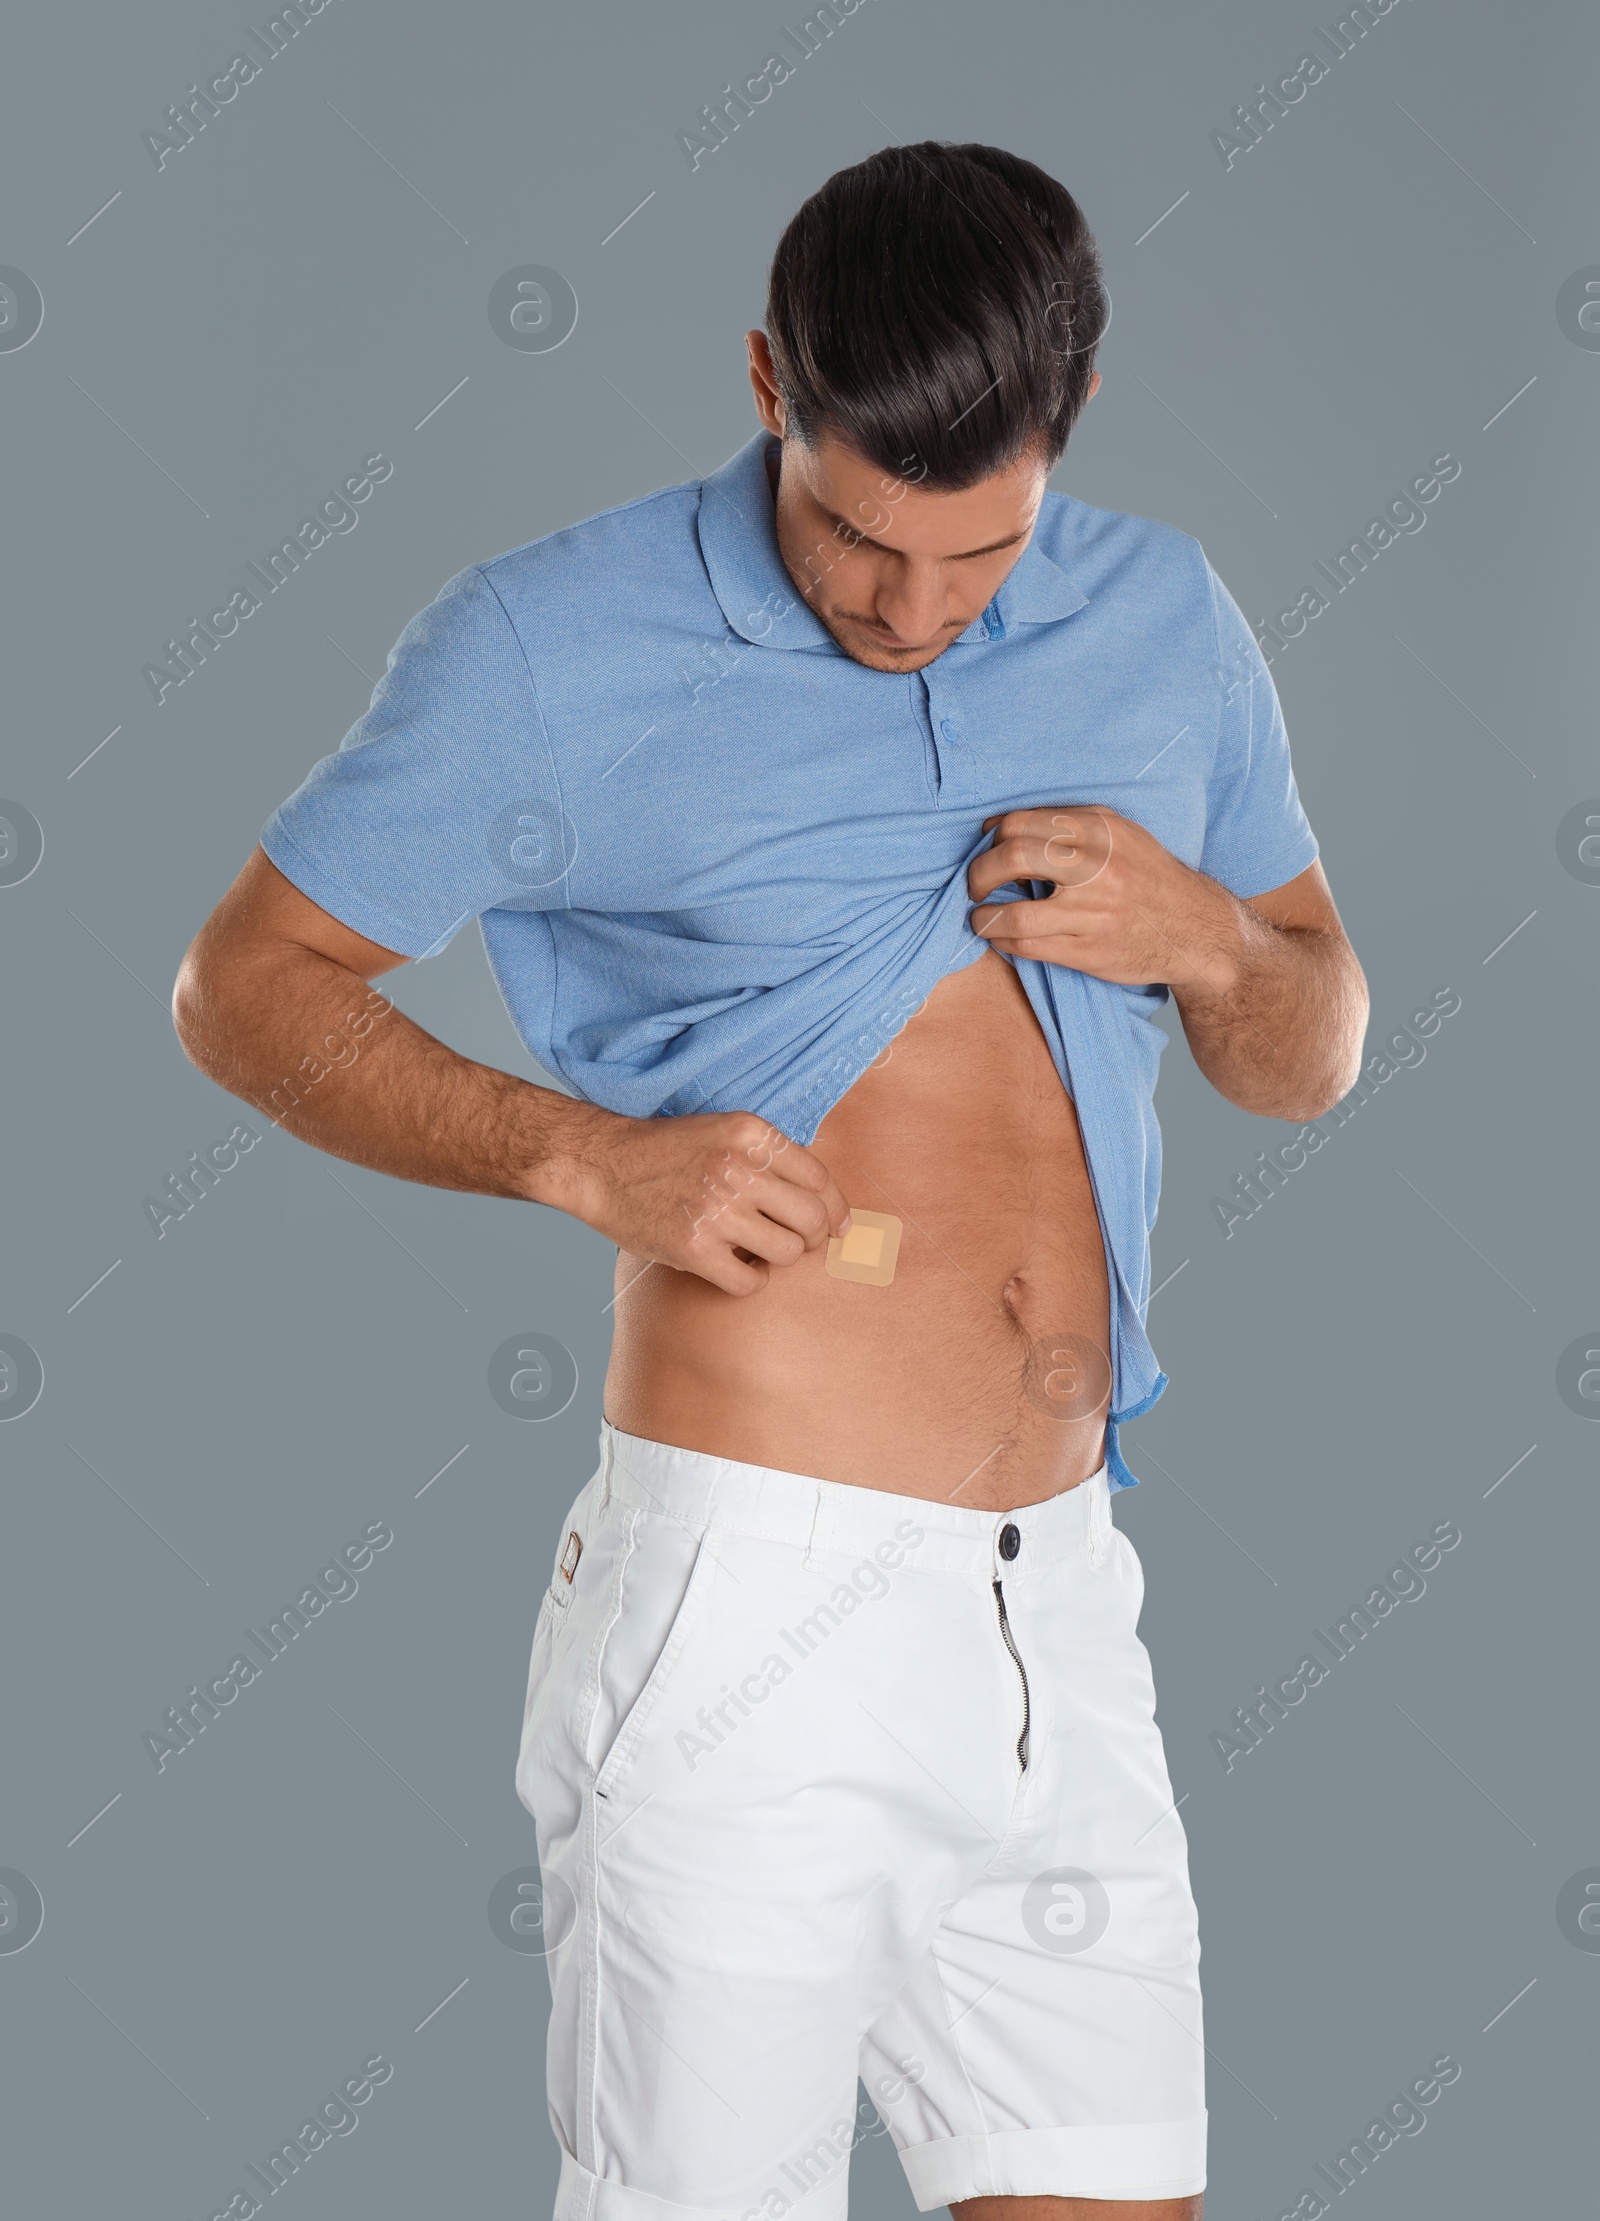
(443, 801)
(1257, 835)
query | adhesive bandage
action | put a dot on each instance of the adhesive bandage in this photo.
(867, 1250)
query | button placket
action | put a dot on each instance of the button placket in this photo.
(957, 764)
(922, 711)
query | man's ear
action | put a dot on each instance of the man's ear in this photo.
(764, 384)
(1094, 388)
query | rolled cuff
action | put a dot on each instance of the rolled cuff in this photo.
(582, 2196)
(1148, 2159)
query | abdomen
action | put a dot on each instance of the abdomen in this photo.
(981, 1373)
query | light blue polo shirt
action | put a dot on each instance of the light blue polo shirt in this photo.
(717, 864)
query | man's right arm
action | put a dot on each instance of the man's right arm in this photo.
(273, 1003)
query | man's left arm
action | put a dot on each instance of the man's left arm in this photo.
(1272, 999)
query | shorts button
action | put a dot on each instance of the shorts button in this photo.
(1010, 1541)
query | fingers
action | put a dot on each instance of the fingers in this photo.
(998, 922)
(1031, 917)
(1066, 847)
(798, 1210)
(750, 1230)
(771, 1217)
(1022, 821)
(713, 1260)
(761, 1150)
(1045, 820)
(762, 1201)
(817, 1185)
(1016, 928)
(1006, 861)
(736, 1246)
(724, 1196)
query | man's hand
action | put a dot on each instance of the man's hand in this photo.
(1271, 996)
(1123, 908)
(723, 1195)
(272, 1003)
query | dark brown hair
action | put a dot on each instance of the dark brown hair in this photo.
(937, 306)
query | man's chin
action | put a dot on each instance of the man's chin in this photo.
(907, 659)
(862, 646)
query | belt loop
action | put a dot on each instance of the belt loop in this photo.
(605, 1464)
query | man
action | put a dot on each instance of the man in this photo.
(837, 826)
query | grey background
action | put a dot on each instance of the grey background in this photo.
(1369, 287)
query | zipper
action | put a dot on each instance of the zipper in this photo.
(1022, 1671)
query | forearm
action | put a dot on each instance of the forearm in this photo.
(333, 1062)
(273, 1003)
(1272, 999)
(1275, 1015)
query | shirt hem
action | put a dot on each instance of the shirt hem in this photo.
(341, 901)
(1265, 879)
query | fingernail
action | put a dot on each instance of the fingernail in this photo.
(844, 1225)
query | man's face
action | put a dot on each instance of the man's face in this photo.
(893, 571)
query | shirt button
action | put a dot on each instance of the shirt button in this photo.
(1010, 1541)
(947, 727)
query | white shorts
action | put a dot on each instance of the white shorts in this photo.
(831, 1782)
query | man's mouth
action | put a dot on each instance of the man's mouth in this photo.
(891, 642)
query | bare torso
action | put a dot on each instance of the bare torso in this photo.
(979, 1375)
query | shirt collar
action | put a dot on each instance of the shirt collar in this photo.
(739, 543)
(1037, 590)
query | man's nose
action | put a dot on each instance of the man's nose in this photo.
(915, 605)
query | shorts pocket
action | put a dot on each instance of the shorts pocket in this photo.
(554, 1614)
(664, 1577)
(538, 1673)
(555, 1665)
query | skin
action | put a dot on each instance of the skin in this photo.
(963, 1131)
(895, 573)
(730, 1336)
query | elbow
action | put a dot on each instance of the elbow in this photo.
(1314, 1092)
(186, 993)
(197, 1017)
(1336, 1085)
(1341, 1061)
(1314, 1106)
